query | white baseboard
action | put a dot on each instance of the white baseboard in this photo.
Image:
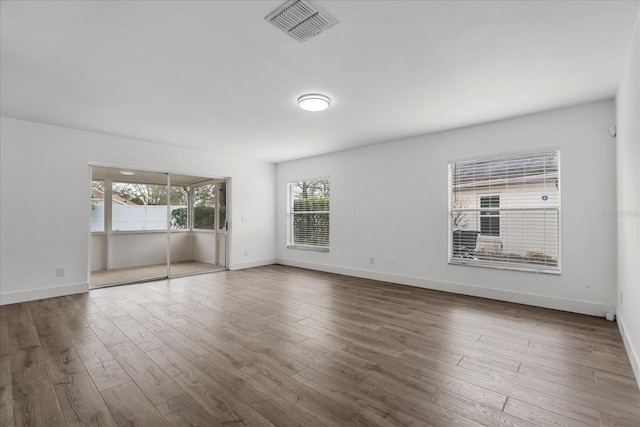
(35, 294)
(634, 356)
(574, 306)
(251, 264)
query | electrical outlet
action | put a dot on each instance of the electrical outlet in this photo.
(61, 272)
(392, 262)
(370, 260)
(246, 252)
(621, 297)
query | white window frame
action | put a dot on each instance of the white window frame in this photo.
(505, 265)
(291, 214)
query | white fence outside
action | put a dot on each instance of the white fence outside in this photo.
(132, 218)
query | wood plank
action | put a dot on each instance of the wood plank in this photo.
(6, 395)
(82, 404)
(273, 407)
(372, 340)
(429, 368)
(105, 371)
(539, 416)
(137, 333)
(34, 399)
(326, 407)
(373, 410)
(21, 331)
(110, 310)
(61, 356)
(427, 411)
(425, 375)
(185, 411)
(475, 411)
(216, 345)
(104, 328)
(262, 347)
(130, 407)
(169, 317)
(242, 415)
(174, 339)
(341, 371)
(210, 394)
(154, 383)
(136, 311)
(4, 331)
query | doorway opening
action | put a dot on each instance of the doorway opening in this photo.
(151, 225)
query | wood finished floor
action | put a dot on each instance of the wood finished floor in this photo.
(284, 346)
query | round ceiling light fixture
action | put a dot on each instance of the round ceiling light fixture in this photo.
(127, 173)
(314, 102)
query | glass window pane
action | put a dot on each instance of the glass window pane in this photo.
(137, 207)
(222, 199)
(97, 205)
(309, 213)
(179, 207)
(506, 211)
(204, 207)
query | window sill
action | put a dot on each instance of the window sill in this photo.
(122, 232)
(176, 230)
(524, 268)
(309, 248)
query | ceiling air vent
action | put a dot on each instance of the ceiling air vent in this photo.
(301, 20)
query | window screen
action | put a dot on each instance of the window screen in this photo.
(505, 211)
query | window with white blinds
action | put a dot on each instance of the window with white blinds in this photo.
(309, 214)
(504, 212)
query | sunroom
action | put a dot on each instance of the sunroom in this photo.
(151, 225)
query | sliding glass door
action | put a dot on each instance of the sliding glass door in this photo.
(195, 244)
(150, 225)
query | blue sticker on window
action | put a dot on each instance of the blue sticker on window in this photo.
(545, 198)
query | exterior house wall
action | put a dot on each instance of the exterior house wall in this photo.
(520, 232)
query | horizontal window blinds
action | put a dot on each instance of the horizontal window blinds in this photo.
(505, 211)
(309, 213)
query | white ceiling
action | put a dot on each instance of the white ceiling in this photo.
(215, 75)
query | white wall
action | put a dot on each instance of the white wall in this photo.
(628, 206)
(181, 246)
(98, 252)
(204, 246)
(44, 172)
(389, 201)
(138, 249)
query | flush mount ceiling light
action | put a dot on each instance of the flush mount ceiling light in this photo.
(126, 173)
(314, 102)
